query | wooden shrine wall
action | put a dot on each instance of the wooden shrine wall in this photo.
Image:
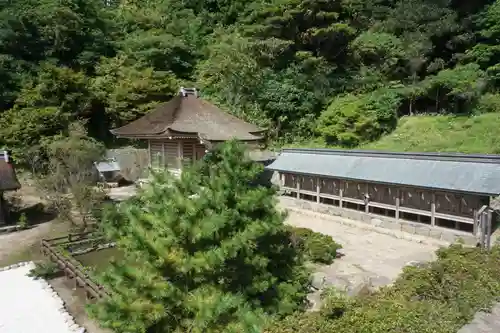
(175, 152)
(410, 198)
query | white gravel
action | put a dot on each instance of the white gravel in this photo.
(31, 306)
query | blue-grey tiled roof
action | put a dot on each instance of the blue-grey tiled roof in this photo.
(107, 166)
(456, 172)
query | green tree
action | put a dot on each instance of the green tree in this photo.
(486, 53)
(125, 90)
(64, 171)
(205, 253)
(354, 119)
(45, 107)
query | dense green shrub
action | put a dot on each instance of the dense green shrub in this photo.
(316, 247)
(488, 103)
(441, 297)
(353, 119)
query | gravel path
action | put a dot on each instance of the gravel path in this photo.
(19, 241)
(366, 251)
(371, 259)
(31, 306)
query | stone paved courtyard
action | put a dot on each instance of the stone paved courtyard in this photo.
(366, 251)
(370, 258)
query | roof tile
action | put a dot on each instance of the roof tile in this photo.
(190, 114)
(453, 172)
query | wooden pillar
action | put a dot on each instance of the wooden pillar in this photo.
(282, 179)
(194, 158)
(298, 186)
(398, 193)
(474, 226)
(317, 189)
(433, 209)
(488, 229)
(3, 210)
(367, 199)
(341, 195)
(164, 156)
(179, 154)
(149, 153)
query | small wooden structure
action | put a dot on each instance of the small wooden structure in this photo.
(445, 190)
(185, 128)
(8, 182)
(70, 266)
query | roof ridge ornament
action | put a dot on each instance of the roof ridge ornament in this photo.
(188, 91)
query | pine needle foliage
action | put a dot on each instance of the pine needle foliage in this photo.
(207, 252)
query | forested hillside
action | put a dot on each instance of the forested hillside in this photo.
(340, 72)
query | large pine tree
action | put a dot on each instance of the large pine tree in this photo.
(204, 253)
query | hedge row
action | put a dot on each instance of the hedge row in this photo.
(441, 296)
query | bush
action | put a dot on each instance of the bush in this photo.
(316, 247)
(441, 296)
(44, 270)
(488, 103)
(354, 119)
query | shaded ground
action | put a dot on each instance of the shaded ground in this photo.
(74, 300)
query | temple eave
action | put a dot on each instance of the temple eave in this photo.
(179, 135)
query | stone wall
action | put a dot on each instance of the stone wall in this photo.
(420, 229)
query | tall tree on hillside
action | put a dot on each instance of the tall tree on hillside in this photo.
(205, 253)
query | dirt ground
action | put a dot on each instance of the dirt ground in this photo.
(24, 245)
(74, 299)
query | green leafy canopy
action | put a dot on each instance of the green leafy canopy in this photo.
(207, 252)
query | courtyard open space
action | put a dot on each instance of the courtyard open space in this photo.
(369, 258)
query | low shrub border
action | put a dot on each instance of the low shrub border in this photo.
(441, 296)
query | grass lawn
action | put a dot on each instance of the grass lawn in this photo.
(434, 133)
(477, 134)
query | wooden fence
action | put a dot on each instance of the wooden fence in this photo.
(72, 269)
